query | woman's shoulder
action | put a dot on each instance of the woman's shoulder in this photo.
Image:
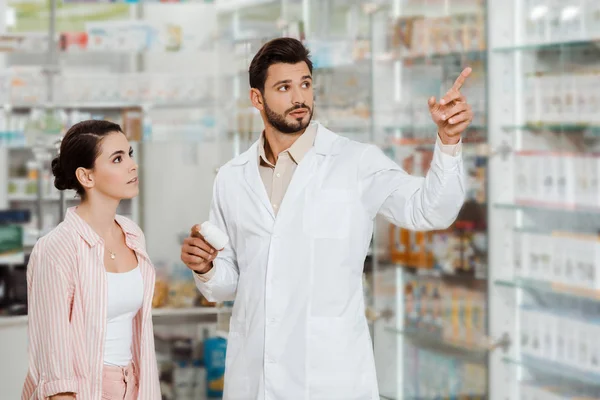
(59, 245)
(59, 237)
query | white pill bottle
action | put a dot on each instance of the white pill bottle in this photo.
(214, 236)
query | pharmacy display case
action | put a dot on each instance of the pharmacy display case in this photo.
(544, 107)
(137, 65)
(430, 288)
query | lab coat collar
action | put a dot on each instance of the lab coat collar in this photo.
(325, 144)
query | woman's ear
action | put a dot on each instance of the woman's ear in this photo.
(256, 98)
(85, 177)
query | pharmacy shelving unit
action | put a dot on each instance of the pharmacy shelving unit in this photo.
(544, 219)
(189, 157)
(430, 335)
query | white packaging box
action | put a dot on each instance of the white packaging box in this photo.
(593, 105)
(583, 340)
(572, 340)
(550, 174)
(532, 99)
(592, 20)
(594, 353)
(582, 184)
(551, 99)
(545, 255)
(536, 328)
(592, 177)
(571, 20)
(525, 255)
(535, 28)
(567, 171)
(554, 18)
(558, 259)
(545, 95)
(592, 266)
(562, 330)
(517, 255)
(570, 260)
(596, 264)
(585, 96)
(525, 324)
(548, 324)
(534, 252)
(590, 254)
(580, 97)
(522, 177)
(579, 250)
(569, 98)
(535, 178)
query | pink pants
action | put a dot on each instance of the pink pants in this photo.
(119, 383)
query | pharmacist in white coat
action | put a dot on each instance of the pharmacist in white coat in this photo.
(298, 207)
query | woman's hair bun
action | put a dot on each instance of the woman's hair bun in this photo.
(61, 181)
(79, 148)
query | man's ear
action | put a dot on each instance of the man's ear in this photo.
(85, 178)
(257, 100)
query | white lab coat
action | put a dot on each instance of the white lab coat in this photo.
(298, 329)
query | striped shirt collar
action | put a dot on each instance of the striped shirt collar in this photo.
(73, 220)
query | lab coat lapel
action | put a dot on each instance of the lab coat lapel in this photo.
(302, 176)
(309, 166)
(252, 176)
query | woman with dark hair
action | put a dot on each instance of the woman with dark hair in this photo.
(90, 282)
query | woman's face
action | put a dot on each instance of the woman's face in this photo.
(115, 173)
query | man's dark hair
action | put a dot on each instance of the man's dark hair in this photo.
(276, 51)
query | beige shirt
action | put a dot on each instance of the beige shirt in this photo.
(277, 178)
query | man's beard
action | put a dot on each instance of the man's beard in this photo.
(278, 121)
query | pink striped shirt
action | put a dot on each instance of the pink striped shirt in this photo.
(66, 285)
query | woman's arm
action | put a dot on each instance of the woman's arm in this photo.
(50, 294)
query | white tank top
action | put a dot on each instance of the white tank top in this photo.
(125, 298)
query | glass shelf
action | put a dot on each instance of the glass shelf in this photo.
(592, 130)
(551, 287)
(555, 369)
(431, 142)
(463, 351)
(473, 134)
(459, 396)
(548, 208)
(557, 46)
(469, 54)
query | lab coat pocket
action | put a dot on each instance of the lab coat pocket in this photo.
(328, 214)
(338, 360)
(236, 374)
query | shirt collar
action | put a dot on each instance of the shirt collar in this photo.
(90, 236)
(297, 151)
